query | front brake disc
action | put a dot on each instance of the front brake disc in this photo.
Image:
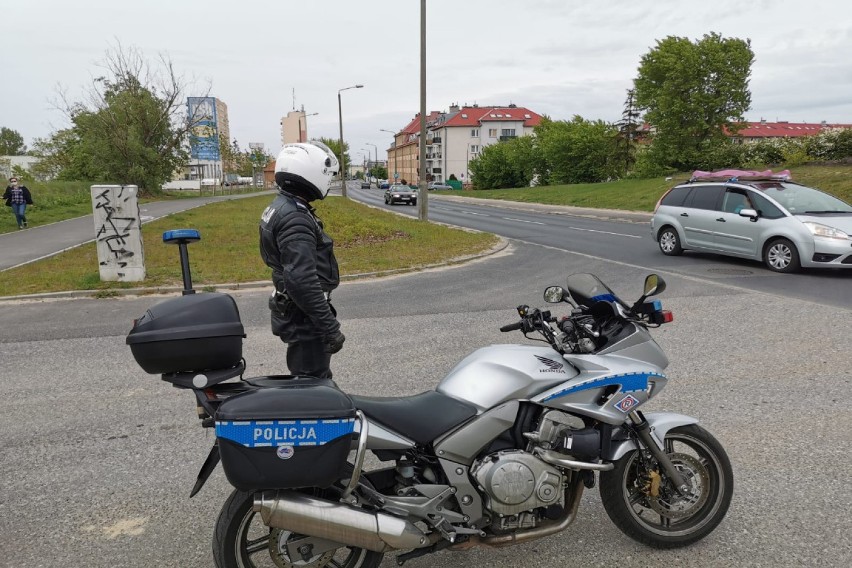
(670, 503)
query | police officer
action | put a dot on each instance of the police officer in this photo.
(301, 255)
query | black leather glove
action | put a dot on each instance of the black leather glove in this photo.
(334, 342)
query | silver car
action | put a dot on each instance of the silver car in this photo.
(782, 223)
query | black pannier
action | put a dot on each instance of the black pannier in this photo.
(196, 332)
(285, 438)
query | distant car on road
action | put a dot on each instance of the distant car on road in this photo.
(438, 185)
(398, 193)
(384, 184)
(365, 184)
(755, 215)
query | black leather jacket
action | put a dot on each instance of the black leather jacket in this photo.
(304, 270)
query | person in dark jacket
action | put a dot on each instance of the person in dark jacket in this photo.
(294, 244)
(18, 197)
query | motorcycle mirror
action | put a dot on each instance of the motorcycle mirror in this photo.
(654, 284)
(555, 294)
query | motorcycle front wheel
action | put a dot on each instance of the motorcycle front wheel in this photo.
(642, 502)
(242, 540)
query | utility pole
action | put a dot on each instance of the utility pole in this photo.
(423, 194)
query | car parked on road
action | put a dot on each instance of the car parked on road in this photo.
(757, 215)
(438, 185)
(398, 193)
(384, 184)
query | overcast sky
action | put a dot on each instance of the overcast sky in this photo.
(556, 57)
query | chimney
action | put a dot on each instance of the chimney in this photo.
(762, 120)
(454, 107)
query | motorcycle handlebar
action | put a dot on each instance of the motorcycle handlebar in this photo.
(512, 326)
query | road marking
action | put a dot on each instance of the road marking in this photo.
(522, 221)
(471, 213)
(606, 232)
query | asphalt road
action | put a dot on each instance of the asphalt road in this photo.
(623, 237)
(97, 458)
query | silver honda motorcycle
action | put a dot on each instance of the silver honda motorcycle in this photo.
(498, 454)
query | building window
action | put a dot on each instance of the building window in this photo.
(492, 133)
(474, 148)
(474, 133)
(507, 132)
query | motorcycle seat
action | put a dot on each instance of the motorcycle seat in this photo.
(422, 417)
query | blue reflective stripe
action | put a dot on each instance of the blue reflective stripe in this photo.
(261, 433)
(177, 234)
(604, 298)
(628, 381)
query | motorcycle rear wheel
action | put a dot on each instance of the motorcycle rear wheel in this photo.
(241, 540)
(669, 519)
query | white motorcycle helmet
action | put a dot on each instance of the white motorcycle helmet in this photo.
(305, 169)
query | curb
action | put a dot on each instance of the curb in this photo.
(502, 244)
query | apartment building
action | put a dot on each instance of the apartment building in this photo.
(294, 127)
(210, 115)
(455, 138)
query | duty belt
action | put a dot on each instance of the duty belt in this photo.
(286, 296)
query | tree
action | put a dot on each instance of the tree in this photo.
(132, 128)
(627, 127)
(512, 163)
(334, 146)
(692, 93)
(379, 172)
(11, 143)
(578, 151)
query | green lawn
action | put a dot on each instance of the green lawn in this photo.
(366, 240)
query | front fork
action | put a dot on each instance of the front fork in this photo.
(643, 432)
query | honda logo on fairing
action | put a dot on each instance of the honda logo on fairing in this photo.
(552, 366)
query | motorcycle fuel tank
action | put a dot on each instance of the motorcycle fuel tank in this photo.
(492, 375)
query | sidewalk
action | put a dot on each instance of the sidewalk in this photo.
(23, 247)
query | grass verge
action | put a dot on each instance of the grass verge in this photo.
(642, 194)
(60, 200)
(366, 240)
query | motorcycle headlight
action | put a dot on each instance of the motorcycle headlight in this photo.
(820, 230)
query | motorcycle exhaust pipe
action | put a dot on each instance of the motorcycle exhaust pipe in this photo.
(337, 522)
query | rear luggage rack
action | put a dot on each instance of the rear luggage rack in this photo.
(740, 175)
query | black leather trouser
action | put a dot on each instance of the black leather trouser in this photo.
(309, 359)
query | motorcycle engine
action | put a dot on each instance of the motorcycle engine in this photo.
(515, 481)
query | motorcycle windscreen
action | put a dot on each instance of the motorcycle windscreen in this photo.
(587, 289)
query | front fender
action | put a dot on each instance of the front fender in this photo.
(661, 423)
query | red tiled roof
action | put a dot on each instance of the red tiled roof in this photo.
(474, 116)
(414, 126)
(784, 129)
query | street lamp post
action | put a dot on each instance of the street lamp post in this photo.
(366, 153)
(376, 161)
(394, 149)
(342, 152)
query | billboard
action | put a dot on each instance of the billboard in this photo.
(204, 135)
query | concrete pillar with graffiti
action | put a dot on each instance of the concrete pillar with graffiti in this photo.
(118, 233)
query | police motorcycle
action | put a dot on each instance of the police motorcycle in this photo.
(499, 453)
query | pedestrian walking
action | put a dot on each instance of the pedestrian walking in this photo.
(294, 244)
(18, 197)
